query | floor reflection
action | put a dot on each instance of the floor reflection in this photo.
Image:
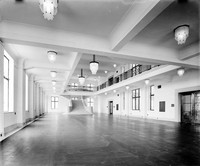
(59, 139)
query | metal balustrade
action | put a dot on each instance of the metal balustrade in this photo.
(114, 80)
(128, 74)
(81, 88)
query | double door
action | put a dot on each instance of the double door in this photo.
(190, 107)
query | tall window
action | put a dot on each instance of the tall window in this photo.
(8, 82)
(90, 102)
(26, 90)
(136, 99)
(152, 97)
(74, 98)
(74, 85)
(54, 102)
(90, 87)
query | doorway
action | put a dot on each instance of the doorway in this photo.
(190, 107)
(110, 107)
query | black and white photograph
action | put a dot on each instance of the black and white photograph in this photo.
(99, 83)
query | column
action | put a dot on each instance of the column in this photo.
(34, 98)
(31, 95)
(38, 100)
(46, 103)
(20, 110)
(1, 94)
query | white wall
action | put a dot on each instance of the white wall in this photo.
(169, 82)
(9, 119)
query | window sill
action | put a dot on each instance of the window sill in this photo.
(9, 112)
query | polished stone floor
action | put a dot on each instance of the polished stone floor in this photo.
(62, 140)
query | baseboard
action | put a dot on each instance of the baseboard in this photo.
(19, 127)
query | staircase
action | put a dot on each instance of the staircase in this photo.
(78, 108)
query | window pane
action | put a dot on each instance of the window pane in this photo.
(152, 89)
(137, 103)
(6, 101)
(133, 102)
(133, 93)
(152, 102)
(137, 93)
(56, 104)
(6, 67)
(56, 98)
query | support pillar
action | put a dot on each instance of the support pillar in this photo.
(37, 100)
(1, 94)
(20, 111)
(31, 95)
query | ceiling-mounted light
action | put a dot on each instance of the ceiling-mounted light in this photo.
(53, 82)
(48, 8)
(147, 81)
(52, 56)
(94, 66)
(180, 72)
(114, 65)
(106, 71)
(181, 33)
(81, 78)
(105, 93)
(54, 88)
(127, 87)
(114, 91)
(53, 74)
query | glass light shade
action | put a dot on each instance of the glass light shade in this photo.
(53, 74)
(48, 8)
(181, 34)
(114, 65)
(105, 93)
(52, 56)
(94, 66)
(180, 72)
(81, 80)
(53, 82)
(147, 81)
(114, 91)
(127, 87)
(106, 71)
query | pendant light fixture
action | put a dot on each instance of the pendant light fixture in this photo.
(94, 66)
(53, 82)
(48, 8)
(180, 72)
(181, 33)
(53, 74)
(52, 56)
(81, 78)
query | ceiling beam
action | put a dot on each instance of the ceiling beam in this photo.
(66, 41)
(190, 51)
(137, 18)
(75, 63)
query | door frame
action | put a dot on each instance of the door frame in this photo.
(109, 106)
(178, 100)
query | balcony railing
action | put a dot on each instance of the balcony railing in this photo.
(128, 74)
(81, 88)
